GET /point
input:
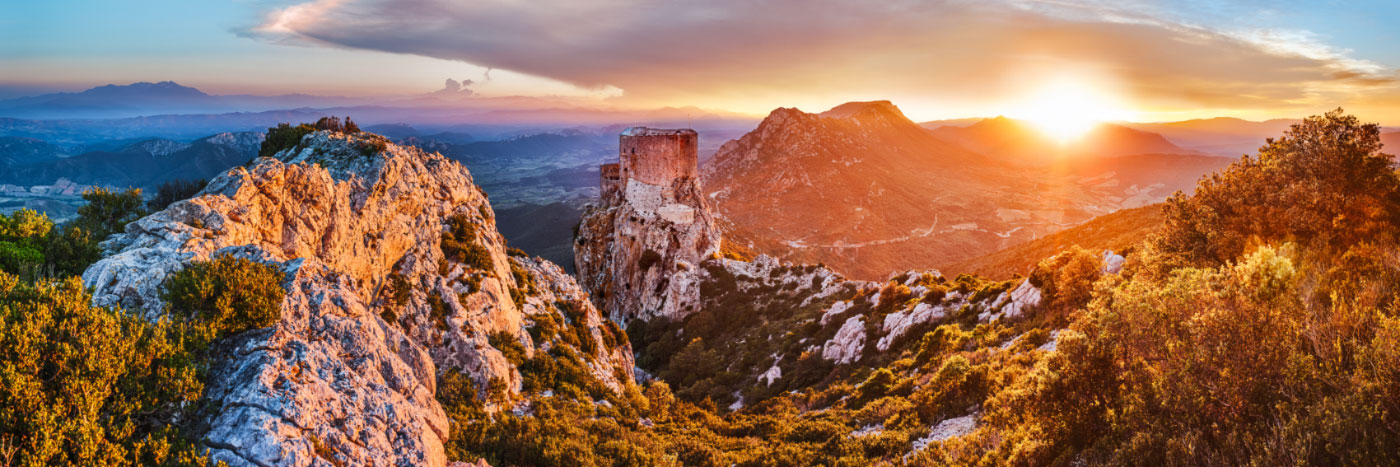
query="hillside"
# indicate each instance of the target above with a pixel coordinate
(862, 189)
(1118, 231)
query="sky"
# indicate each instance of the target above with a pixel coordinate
(1116, 60)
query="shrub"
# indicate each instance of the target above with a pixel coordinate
(22, 238)
(86, 385)
(508, 345)
(439, 310)
(107, 212)
(1324, 182)
(371, 146)
(231, 294)
(399, 289)
(460, 244)
(283, 137)
(70, 251)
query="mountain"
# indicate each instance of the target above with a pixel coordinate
(1391, 141)
(1221, 136)
(954, 122)
(144, 164)
(113, 100)
(20, 151)
(143, 99)
(383, 310)
(1020, 141)
(865, 191)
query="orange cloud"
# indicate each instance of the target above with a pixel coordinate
(762, 54)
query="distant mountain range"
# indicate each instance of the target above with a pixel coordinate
(144, 164)
(1010, 138)
(143, 99)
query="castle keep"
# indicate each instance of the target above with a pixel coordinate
(638, 248)
(654, 157)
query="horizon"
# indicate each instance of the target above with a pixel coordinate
(369, 101)
(1061, 64)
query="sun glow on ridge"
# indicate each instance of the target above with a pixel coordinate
(1066, 109)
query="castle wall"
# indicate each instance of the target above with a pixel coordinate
(658, 157)
(609, 176)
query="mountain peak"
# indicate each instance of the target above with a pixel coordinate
(857, 110)
(145, 87)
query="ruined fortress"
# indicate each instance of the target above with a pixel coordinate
(652, 156)
(638, 249)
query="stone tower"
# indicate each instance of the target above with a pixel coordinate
(638, 249)
(658, 157)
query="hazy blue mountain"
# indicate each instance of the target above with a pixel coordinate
(145, 164)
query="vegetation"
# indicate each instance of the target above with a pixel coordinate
(85, 385)
(174, 190)
(230, 294)
(32, 247)
(285, 136)
(461, 244)
(108, 212)
(1118, 231)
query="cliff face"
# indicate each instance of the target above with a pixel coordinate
(638, 248)
(350, 372)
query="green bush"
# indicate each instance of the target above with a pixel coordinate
(460, 244)
(508, 345)
(107, 212)
(84, 385)
(231, 294)
(282, 137)
(399, 289)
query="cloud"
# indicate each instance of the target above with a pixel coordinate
(454, 88)
(696, 51)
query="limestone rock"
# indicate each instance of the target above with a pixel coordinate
(847, 344)
(350, 371)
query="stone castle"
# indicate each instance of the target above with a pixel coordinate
(638, 248)
(652, 156)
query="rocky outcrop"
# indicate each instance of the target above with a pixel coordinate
(848, 343)
(374, 312)
(639, 247)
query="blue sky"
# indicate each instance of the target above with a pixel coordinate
(1254, 59)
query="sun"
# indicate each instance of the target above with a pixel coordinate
(1067, 109)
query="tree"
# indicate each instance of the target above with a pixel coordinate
(174, 190)
(107, 212)
(283, 137)
(1323, 182)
